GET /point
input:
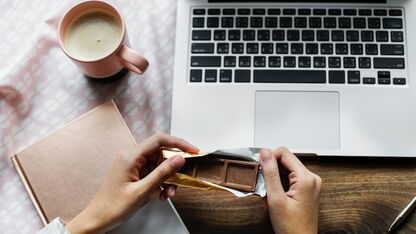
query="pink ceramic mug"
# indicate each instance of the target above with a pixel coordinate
(116, 58)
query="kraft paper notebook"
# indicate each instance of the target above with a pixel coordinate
(62, 172)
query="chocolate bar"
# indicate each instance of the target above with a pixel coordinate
(241, 175)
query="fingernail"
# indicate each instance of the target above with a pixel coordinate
(176, 162)
(265, 156)
(172, 191)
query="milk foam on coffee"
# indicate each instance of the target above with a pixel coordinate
(93, 35)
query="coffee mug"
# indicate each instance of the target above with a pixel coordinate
(93, 35)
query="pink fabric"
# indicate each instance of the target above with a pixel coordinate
(41, 89)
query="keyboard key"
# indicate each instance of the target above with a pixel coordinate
(395, 12)
(237, 48)
(304, 62)
(334, 62)
(364, 62)
(354, 77)
(350, 12)
(392, 23)
(271, 22)
(289, 11)
(312, 48)
(267, 48)
(256, 22)
(334, 12)
(396, 36)
(344, 22)
(244, 11)
(296, 48)
(205, 61)
(289, 61)
(289, 76)
(383, 74)
(241, 22)
(244, 61)
(286, 22)
(384, 81)
(330, 22)
(357, 49)
(225, 75)
(230, 61)
(213, 22)
(389, 63)
(223, 48)
(319, 11)
(199, 11)
(301, 22)
(353, 36)
(227, 22)
(259, 61)
(391, 49)
(274, 61)
(263, 35)
(365, 12)
(219, 35)
(341, 48)
(228, 11)
(371, 49)
(337, 35)
(359, 22)
(210, 75)
(242, 76)
(319, 62)
(278, 35)
(249, 35)
(252, 48)
(201, 35)
(380, 12)
(337, 77)
(234, 35)
(322, 35)
(399, 81)
(308, 35)
(304, 12)
(259, 11)
(382, 36)
(327, 48)
(273, 11)
(195, 76)
(214, 11)
(198, 22)
(369, 80)
(315, 22)
(349, 62)
(202, 48)
(282, 48)
(367, 36)
(293, 35)
(374, 23)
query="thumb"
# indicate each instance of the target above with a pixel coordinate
(270, 169)
(161, 173)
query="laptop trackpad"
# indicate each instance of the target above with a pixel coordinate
(297, 120)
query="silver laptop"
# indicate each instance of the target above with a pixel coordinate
(332, 78)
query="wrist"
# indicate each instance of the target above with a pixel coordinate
(84, 223)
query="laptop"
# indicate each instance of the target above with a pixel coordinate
(320, 77)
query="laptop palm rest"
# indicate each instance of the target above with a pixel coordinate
(297, 120)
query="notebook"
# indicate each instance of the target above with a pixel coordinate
(62, 172)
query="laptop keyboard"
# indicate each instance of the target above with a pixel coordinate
(298, 45)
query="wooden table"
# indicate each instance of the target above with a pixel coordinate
(359, 195)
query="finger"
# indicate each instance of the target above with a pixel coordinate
(271, 175)
(152, 145)
(165, 170)
(289, 160)
(171, 191)
(163, 196)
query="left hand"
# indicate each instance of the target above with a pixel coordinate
(129, 185)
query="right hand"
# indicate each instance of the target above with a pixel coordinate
(297, 210)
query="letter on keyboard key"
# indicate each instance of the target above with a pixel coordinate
(289, 76)
(391, 49)
(391, 63)
(202, 48)
(392, 23)
(205, 61)
(201, 35)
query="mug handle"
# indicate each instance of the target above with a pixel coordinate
(132, 60)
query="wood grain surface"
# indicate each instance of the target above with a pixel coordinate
(359, 195)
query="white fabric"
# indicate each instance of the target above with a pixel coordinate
(57, 226)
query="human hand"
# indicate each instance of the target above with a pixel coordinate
(134, 179)
(296, 210)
